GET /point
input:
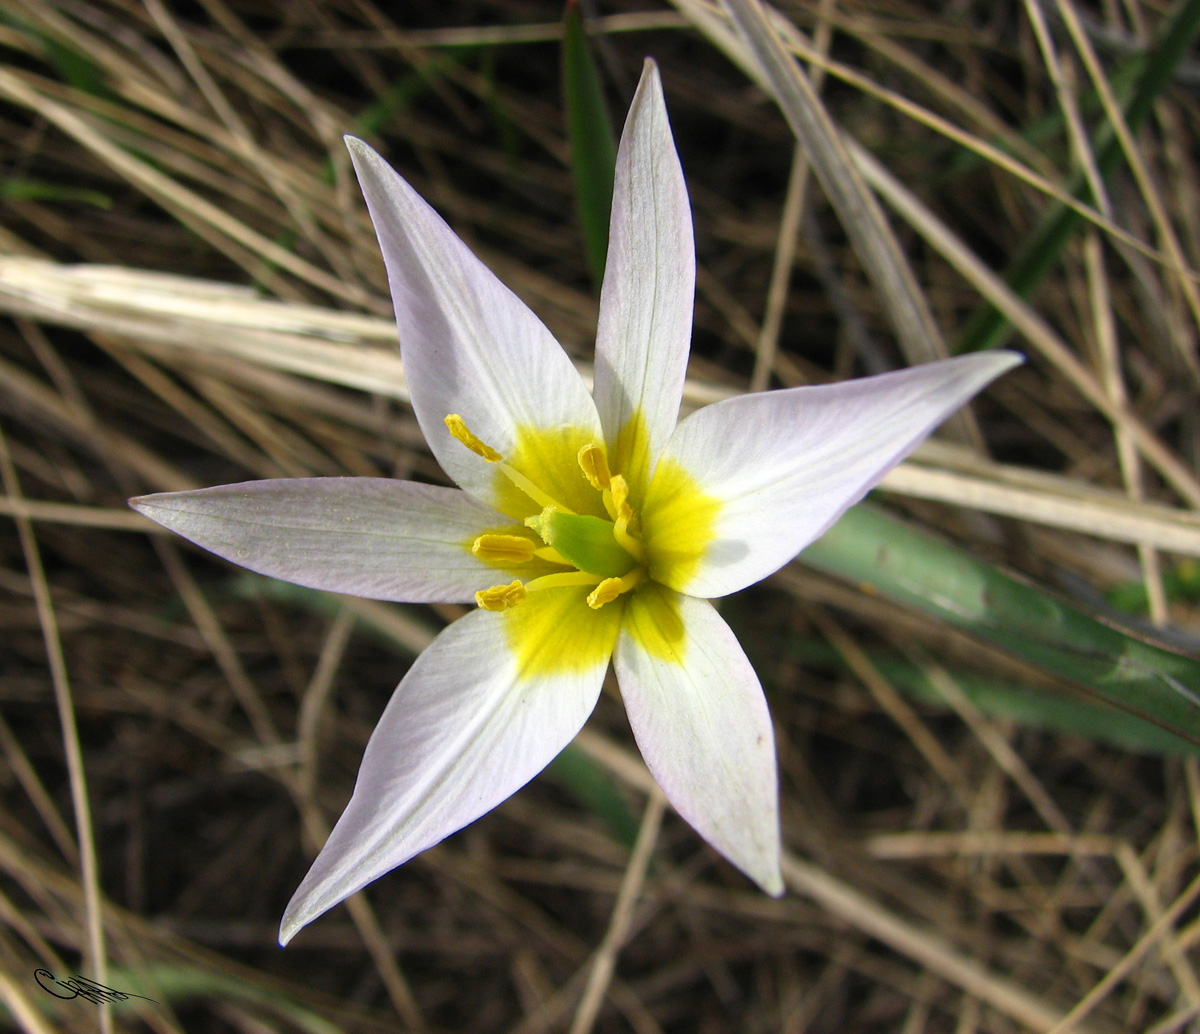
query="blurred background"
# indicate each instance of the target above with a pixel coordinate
(984, 684)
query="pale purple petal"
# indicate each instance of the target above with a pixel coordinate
(469, 345)
(649, 282)
(373, 537)
(700, 720)
(463, 731)
(784, 465)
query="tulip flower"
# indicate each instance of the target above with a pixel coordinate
(587, 527)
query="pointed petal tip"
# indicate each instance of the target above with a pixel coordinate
(762, 869)
(773, 883)
(362, 155)
(651, 81)
(289, 926)
(977, 370)
(307, 904)
(148, 505)
(371, 168)
(1006, 359)
(994, 361)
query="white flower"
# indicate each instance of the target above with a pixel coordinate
(586, 527)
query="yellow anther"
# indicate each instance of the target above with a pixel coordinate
(500, 597)
(458, 428)
(620, 495)
(504, 549)
(595, 466)
(609, 589)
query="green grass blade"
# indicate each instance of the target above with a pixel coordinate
(1056, 712)
(1047, 132)
(869, 548)
(1052, 711)
(988, 328)
(16, 189)
(593, 142)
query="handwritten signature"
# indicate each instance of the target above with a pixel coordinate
(81, 987)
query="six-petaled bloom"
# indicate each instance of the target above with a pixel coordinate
(586, 528)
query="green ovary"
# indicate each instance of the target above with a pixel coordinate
(582, 540)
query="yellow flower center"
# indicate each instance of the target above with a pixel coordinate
(607, 555)
(580, 532)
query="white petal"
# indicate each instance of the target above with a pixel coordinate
(784, 465)
(649, 282)
(373, 537)
(461, 733)
(469, 345)
(700, 719)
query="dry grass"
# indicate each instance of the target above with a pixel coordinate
(949, 871)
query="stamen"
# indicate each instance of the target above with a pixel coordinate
(458, 428)
(552, 555)
(624, 514)
(566, 578)
(504, 549)
(609, 589)
(620, 494)
(530, 489)
(628, 543)
(595, 466)
(500, 597)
